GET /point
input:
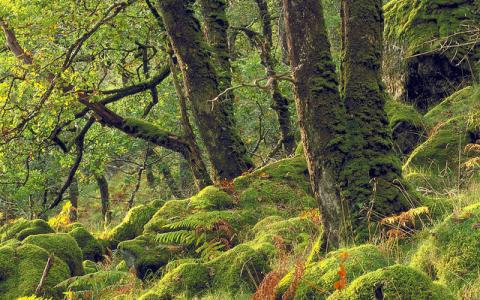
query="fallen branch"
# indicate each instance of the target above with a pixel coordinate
(43, 279)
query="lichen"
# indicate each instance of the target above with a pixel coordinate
(91, 248)
(393, 282)
(319, 277)
(452, 253)
(63, 246)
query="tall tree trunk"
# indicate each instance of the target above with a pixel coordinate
(186, 179)
(105, 198)
(214, 119)
(372, 170)
(73, 193)
(280, 103)
(319, 107)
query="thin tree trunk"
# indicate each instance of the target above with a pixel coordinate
(372, 170)
(319, 107)
(73, 191)
(186, 179)
(170, 181)
(214, 119)
(280, 102)
(149, 154)
(105, 198)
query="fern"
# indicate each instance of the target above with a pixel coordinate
(180, 237)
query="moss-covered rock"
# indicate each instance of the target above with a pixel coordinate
(172, 210)
(407, 125)
(63, 246)
(133, 223)
(450, 130)
(91, 248)
(22, 228)
(89, 266)
(394, 282)
(145, 255)
(94, 285)
(21, 268)
(213, 198)
(319, 277)
(187, 280)
(415, 69)
(452, 253)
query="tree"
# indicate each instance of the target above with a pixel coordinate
(319, 108)
(372, 169)
(214, 119)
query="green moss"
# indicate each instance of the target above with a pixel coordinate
(170, 211)
(241, 268)
(63, 246)
(145, 255)
(95, 283)
(394, 282)
(22, 228)
(91, 248)
(21, 269)
(122, 266)
(319, 277)
(211, 197)
(145, 128)
(401, 112)
(452, 253)
(293, 234)
(133, 223)
(422, 24)
(89, 266)
(189, 279)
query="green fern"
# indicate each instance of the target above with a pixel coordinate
(180, 237)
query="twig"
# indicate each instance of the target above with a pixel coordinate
(43, 279)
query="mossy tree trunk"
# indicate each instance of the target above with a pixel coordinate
(102, 184)
(73, 193)
(280, 102)
(149, 155)
(319, 108)
(214, 119)
(372, 172)
(170, 180)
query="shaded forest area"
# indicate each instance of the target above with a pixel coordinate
(240, 149)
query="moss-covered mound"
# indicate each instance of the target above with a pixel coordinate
(394, 282)
(415, 68)
(133, 223)
(318, 280)
(89, 266)
(213, 198)
(407, 125)
(450, 129)
(239, 269)
(91, 247)
(452, 253)
(145, 255)
(97, 285)
(63, 246)
(21, 267)
(22, 228)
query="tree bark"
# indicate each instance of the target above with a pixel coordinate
(214, 119)
(372, 170)
(73, 193)
(320, 110)
(105, 198)
(170, 181)
(280, 102)
(149, 154)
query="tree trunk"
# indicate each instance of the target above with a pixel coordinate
(105, 198)
(149, 155)
(186, 179)
(73, 191)
(280, 103)
(320, 110)
(214, 118)
(372, 171)
(170, 181)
